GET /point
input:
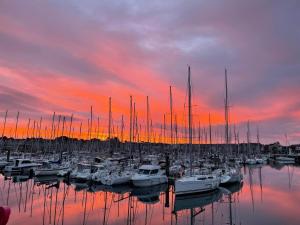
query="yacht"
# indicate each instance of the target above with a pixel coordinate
(83, 172)
(51, 169)
(21, 165)
(3, 163)
(117, 178)
(149, 175)
(196, 184)
(100, 173)
(229, 175)
(250, 161)
(190, 184)
(285, 160)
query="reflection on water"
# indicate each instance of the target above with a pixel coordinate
(269, 195)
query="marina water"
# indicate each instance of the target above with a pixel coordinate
(268, 195)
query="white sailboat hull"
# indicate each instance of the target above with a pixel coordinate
(194, 184)
(50, 171)
(285, 160)
(115, 180)
(149, 181)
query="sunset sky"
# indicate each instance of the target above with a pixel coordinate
(65, 56)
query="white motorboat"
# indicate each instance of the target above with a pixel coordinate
(21, 165)
(235, 176)
(117, 178)
(223, 174)
(51, 169)
(83, 172)
(285, 160)
(100, 173)
(250, 161)
(229, 175)
(149, 175)
(3, 163)
(196, 184)
(176, 170)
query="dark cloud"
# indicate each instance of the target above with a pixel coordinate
(12, 99)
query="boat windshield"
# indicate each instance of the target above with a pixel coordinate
(154, 172)
(141, 171)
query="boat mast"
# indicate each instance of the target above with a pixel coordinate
(130, 127)
(148, 131)
(199, 138)
(109, 125)
(210, 139)
(90, 128)
(4, 123)
(133, 123)
(190, 117)
(258, 141)
(226, 114)
(164, 139)
(62, 138)
(248, 136)
(16, 128)
(171, 119)
(122, 131)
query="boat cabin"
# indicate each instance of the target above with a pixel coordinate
(149, 170)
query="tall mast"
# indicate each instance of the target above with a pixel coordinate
(62, 138)
(258, 140)
(248, 136)
(122, 128)
(90, 129)
(190, 117)
(109, 123)
(70, 128)
(235, 135)
(133, 123)
(171, 112)
(148, 132)
(210, 139)
(28, 126)
(52, 134)
(226, 113)
(91, 123)
(199, 137)
(4, 124)
(40, 127)
(98, 128)
(130, 125)
(164, 129)
(16, 128)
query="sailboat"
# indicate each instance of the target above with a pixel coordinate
(149, 175)
(118, 175)
(190, 184)
(231, 174)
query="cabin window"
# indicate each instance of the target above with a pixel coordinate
(26, 162)
(154, 171)
(146, 172)
(201, 178)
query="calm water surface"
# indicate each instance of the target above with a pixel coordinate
(267, 196)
